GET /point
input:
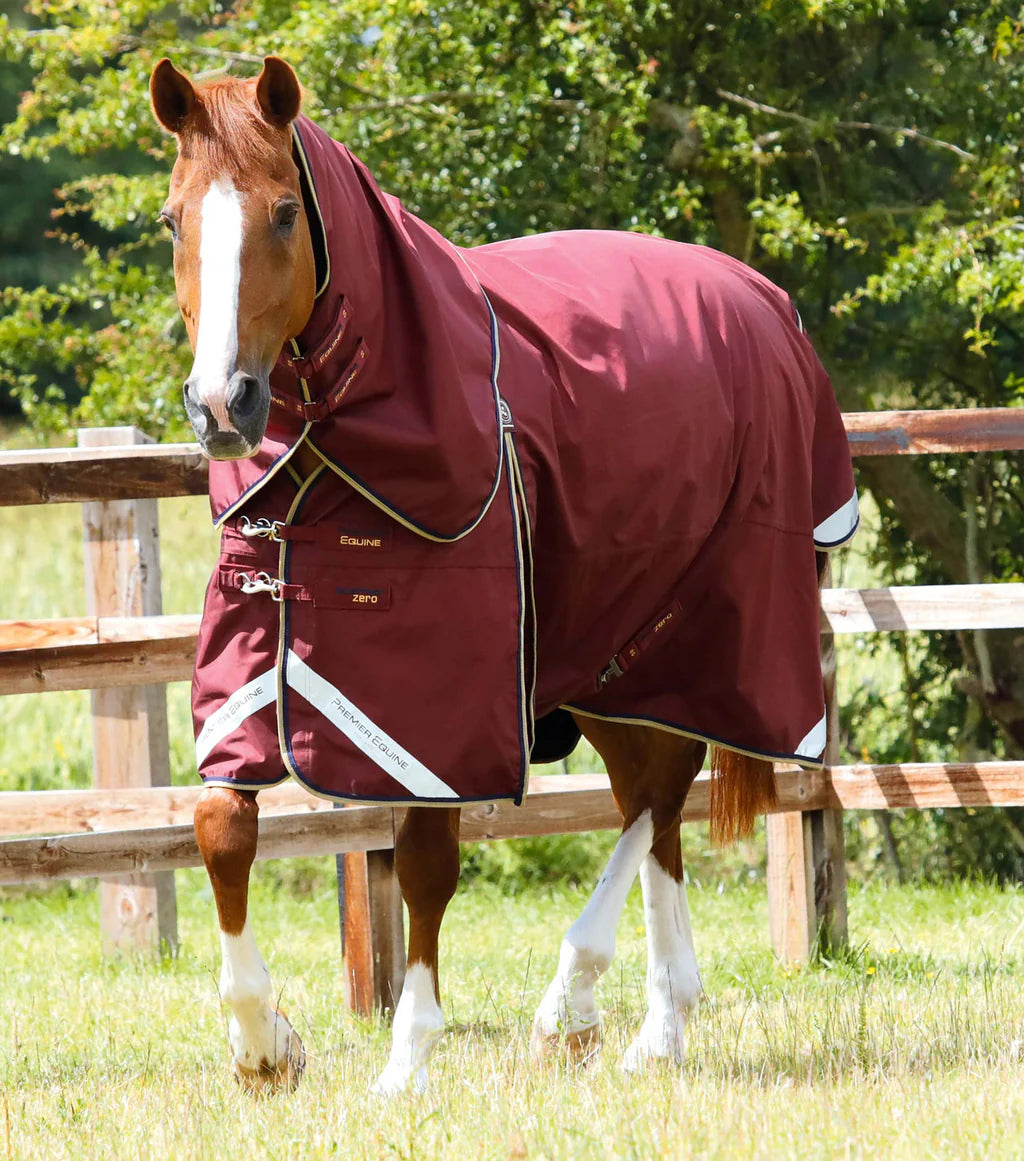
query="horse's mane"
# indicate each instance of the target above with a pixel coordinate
(227, 131)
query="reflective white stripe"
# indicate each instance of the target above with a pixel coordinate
(839, 526)
(813, 744)
(254, 696)
(363, 733)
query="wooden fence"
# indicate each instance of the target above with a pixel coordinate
(133, 829)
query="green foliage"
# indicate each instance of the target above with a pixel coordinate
(866, 156)
(869, 160)
(972, 844)
(516, 865)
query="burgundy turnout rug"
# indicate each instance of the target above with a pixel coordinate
(584, 470)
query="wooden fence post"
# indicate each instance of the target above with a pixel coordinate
(807, 853)
(138, 912)
(372, 930)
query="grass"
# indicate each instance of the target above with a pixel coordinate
(908, 1048)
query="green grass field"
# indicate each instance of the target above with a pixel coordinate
(910, 1048)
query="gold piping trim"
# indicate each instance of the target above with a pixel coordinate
(282, 741)
(308, 174)
(265, 479)
(514, 458)
(397, 516)
(233, 784)
(806, 763)
(526, 728)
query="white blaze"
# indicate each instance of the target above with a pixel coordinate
(220, 266)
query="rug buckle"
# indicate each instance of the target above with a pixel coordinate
(612, 669)
(507, 422)
(262, 582)
(270, 529)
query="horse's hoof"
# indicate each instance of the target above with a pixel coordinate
(640, 1055)
(658, 1041)
(576, 1047)
(283, 1076)
(392, 1082)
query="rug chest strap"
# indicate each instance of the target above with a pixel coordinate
(314, 410)
(306, 366)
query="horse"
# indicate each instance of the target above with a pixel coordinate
(619, 454)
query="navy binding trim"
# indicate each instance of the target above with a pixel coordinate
(282, 459)
(828, 545)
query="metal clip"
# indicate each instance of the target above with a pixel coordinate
(262, 582)
(612, 669)
(507, 422)
(263, 527)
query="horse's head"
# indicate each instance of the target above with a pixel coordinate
(243, 259)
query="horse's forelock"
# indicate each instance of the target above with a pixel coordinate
(227, 132)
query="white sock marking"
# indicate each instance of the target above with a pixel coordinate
(256, 1032)
(418, 1023)
(587, 949)
(673, 981)
(220, 271)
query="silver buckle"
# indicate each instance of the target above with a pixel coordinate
(263, 528)
(262, 582)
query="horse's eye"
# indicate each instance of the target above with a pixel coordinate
(284, 218)
(165, 219)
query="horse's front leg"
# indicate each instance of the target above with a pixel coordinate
(266, 1053)
(427, 864)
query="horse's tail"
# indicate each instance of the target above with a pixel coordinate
(741, 788)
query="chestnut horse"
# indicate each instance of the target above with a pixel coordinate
(245, 273)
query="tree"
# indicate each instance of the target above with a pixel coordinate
(865, 156)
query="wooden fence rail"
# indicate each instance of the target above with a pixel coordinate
(556, 804)
(77, 475)
(139, 831)
(100, 652)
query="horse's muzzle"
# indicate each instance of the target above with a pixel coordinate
(231, 427)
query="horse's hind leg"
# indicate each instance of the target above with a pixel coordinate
(266, 1053)
(650, 772)
(427, 865)
(673, 980)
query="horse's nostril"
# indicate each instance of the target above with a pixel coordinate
(243, 398)
(198, 413)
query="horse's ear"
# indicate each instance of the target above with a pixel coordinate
(172, 96)
(278, 92)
